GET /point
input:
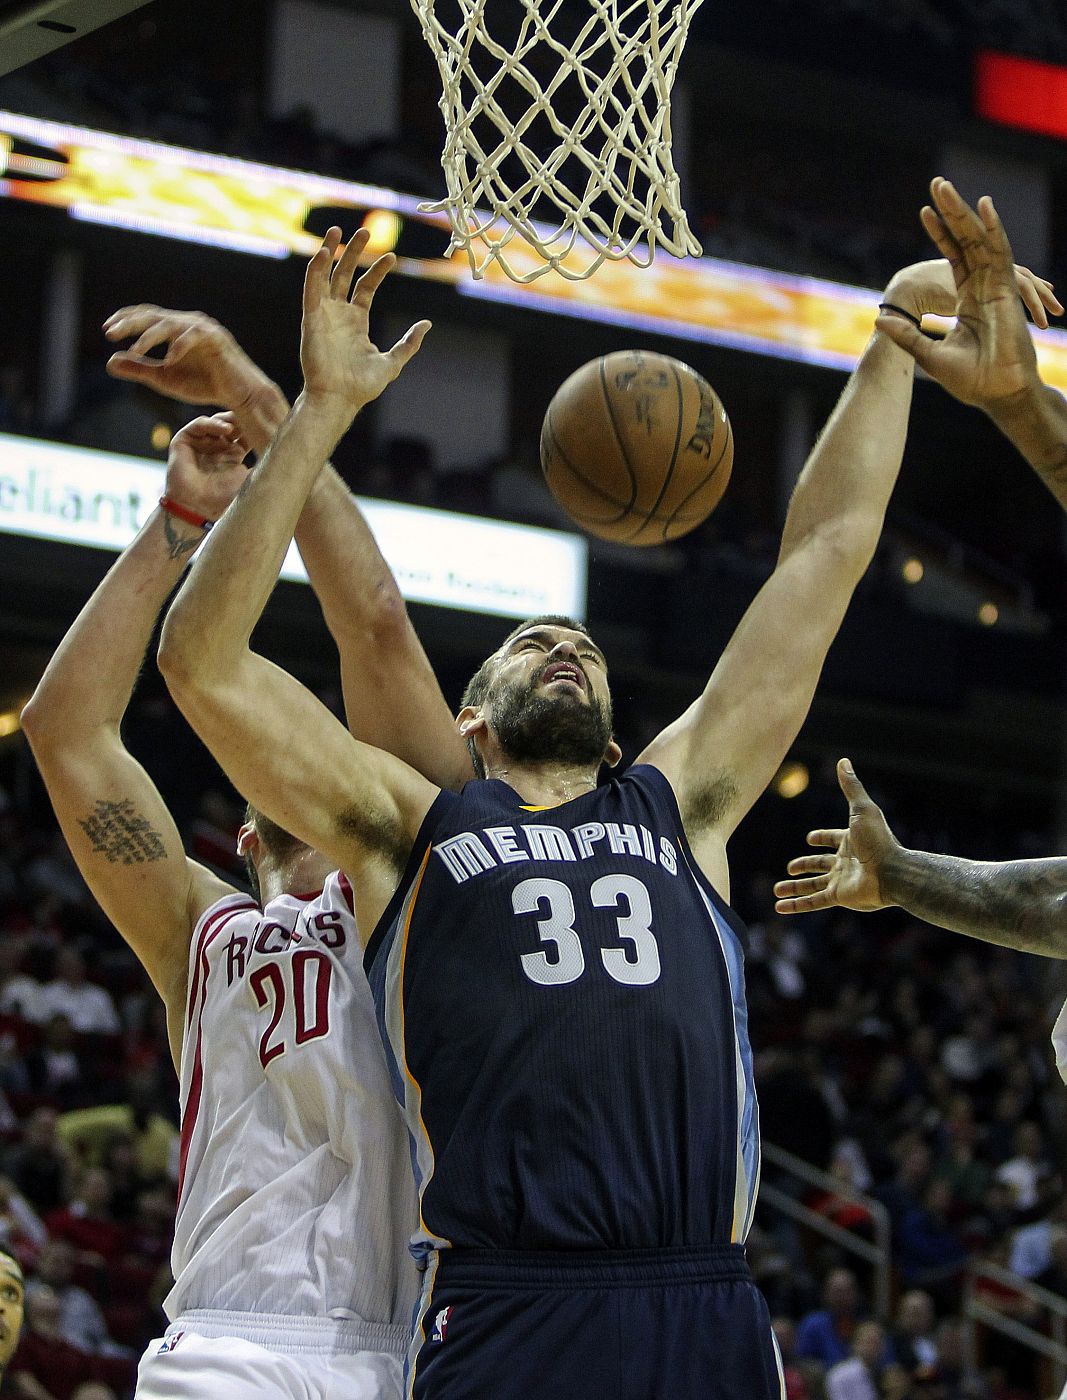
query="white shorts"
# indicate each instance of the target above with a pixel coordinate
(245, 1356)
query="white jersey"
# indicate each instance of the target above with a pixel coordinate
(1059, 1045)
(295, 1193)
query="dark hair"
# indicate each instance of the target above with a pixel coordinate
(477, 688)
(276, 841)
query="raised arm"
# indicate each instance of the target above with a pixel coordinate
(721, 754)
(114, 819)
(988, 359)
(392, 697)
(278, 744)
(1018, 904)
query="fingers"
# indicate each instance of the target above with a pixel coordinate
(132, 320)
(832, 836)
(1038, 296)
(910, 339)
(998, 237)
(811, 865)
(938, 232)
(348, 264)
(372, 279)
(850, 784)
(317, 277)
(221, 426)
(407, 347)
(122, 366)
(795, 896)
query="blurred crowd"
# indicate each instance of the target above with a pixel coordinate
(914, 1067)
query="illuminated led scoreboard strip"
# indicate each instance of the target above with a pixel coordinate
(261, 209)
(79, 496)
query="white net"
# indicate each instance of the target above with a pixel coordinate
(599, 161)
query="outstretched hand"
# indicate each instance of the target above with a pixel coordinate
(851, 875)
(988, 356)
(339, 360)
(205, 465)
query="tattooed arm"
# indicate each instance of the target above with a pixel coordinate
(1036, 422)
(115, 821)
(1018, 904)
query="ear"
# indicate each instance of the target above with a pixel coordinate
(612, 754)
(470, 721)
(247, 839)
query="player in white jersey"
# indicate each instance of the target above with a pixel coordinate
(291, 1274)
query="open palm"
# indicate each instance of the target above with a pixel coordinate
(337, 355)
(850, 876)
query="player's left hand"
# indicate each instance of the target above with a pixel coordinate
(340, 361)
(930, 289)
(205, 465)
(851, 877)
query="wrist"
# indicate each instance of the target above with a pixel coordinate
(1024, 404)
(333, 407)
(895, 872)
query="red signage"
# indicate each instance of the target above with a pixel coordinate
(1023, 93)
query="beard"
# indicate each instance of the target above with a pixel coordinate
(533, 727)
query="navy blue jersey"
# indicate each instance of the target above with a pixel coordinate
(560, 993)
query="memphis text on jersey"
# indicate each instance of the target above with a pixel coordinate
(472, 853)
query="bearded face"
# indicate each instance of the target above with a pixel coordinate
(559, 723)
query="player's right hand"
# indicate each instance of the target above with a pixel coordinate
(342, 365)
(851, 876)
(988, 357)
(203, 363)
(205, 465)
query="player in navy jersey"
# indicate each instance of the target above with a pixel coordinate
(556, 972)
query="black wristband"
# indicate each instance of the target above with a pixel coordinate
(916, 321)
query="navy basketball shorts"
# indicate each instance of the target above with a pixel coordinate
(672, 1324)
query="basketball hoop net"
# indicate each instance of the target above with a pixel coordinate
(610, 174)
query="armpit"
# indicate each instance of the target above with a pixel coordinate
(375, 832)
(707, 802)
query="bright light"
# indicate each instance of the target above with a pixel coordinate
(384, 228)
(9, 723)
(53, 492)
(793, 779)
(988, 614)
(161, 436)
(913, 570)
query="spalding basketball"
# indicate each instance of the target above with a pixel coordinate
(637, 447)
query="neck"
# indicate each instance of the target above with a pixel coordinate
(299, 874)
(542, 784)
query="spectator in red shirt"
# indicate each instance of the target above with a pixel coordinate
(87, 1222)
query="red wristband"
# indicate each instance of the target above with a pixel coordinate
(182, 513)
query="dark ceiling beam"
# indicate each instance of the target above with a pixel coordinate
(29, 29)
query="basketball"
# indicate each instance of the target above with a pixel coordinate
(637, 447)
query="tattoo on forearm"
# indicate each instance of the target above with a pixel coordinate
(1020, 904)
(121, 835)
(178, 545)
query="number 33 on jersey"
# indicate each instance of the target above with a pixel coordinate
(560, 993)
